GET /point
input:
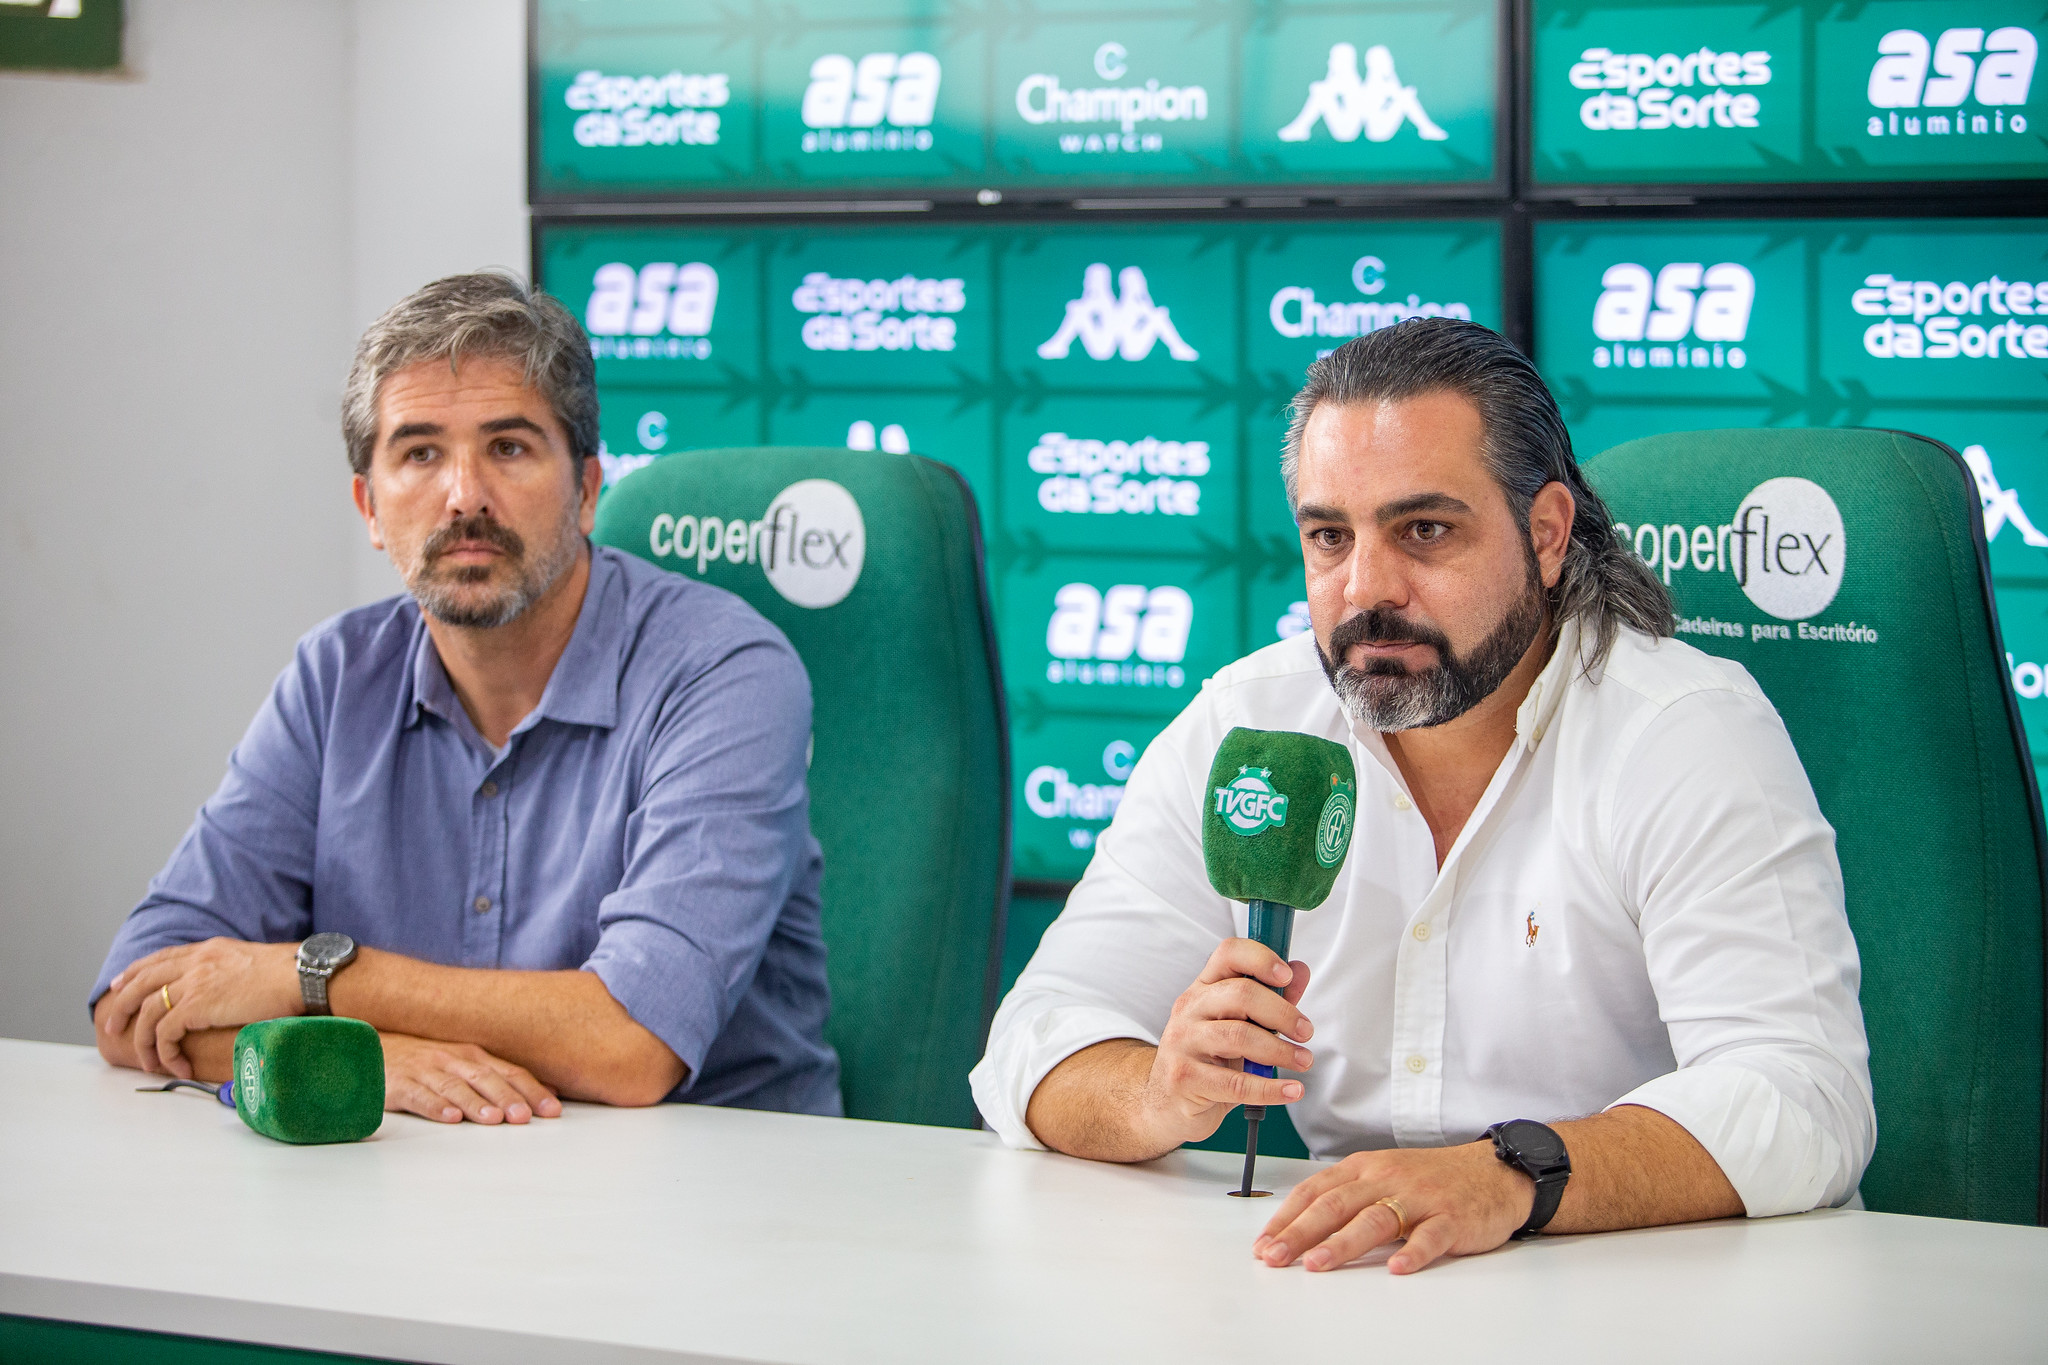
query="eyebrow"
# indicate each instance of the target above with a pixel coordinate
(1421, 502)
(493, 427)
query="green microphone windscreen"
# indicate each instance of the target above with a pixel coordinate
(1276, 816)
(311, 1079)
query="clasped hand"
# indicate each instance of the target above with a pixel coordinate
(224, 983)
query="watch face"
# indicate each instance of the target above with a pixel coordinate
(1536, 1144)
(327, 950)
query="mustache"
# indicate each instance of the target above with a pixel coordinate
(471, 529)
(1382, 626)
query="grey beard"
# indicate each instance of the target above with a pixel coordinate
(1387, 697)
(441, 596)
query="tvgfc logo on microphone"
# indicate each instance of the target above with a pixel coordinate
(249, 1084)
(1249, 804)
(1333, 829)
(810, 544)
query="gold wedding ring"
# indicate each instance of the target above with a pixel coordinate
(1399, 1213)
(166, 993)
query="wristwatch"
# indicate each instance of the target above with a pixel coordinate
(320, 957)
(1538, 1152)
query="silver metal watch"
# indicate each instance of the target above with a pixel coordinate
(320, 957)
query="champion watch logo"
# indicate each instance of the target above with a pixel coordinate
(1249, 803)
(1333, 829)
(1108, 324)
(1346, 104)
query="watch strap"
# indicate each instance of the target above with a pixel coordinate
(1549, 1193)
(1548, 1178)
(313, 988)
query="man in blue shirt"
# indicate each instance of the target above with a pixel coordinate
(545, 817)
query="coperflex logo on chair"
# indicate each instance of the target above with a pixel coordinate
(810, 543)
(1785, 545)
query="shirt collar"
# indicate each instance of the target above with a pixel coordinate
(1539, 708)
(583, 689)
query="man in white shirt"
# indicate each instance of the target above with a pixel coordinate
(1588, 875)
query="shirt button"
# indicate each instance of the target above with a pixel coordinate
(1401, 801)
(1417, 1064)
(1422, 933)
(490, 789)
(482, 904)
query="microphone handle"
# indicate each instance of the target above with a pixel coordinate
(1272, 924)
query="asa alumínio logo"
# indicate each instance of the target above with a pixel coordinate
(1787, 547)
(810, 544)
(1994, 71)
(1688, 302)
(1093, 634)
(664, 307)
(1125, 322)
(1333, 827)
(1348, 104)
(882, 103)
(1249, 804)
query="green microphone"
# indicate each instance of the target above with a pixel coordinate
(1276, 824)
(313, 1078)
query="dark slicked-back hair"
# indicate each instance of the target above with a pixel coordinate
(1603, 584)
(490, 313)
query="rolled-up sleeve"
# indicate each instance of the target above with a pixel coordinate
(1136, 930)
(245, 868)
(1716, 835)
(719, 834)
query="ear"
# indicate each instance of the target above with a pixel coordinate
(593, 480)
(366, 507)
(1550, 529)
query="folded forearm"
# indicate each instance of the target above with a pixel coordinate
(1633, 1168)
(1093, 1104)
(563, 1026)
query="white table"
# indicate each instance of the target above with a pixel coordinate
(682, 1233)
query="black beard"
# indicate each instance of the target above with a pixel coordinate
(1384, 695)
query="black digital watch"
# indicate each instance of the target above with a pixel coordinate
(1538, 1152)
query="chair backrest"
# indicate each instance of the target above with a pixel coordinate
(1846, 570)
(872, 565)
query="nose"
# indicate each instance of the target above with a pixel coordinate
(468, 490)
(1376, 577)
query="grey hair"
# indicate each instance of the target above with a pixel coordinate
(492, 313)
(1526, 446)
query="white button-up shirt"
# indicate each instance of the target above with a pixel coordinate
(1644, 908)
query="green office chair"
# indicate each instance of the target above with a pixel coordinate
(1846, 570)
(872, 565)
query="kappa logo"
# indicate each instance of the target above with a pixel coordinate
(1996, 68)
(666, 308)
(882, 88)
(1126, 324)
(1688, 302)
(2001, 505)
(810, 544)
(893, 438)
(1346, 104)
(1333, 828)
(1249, 804)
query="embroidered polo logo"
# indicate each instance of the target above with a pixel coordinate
(1249, 803)
(1534, 929)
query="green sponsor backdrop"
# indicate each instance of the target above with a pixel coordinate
(650, 97)
(1787, 90)
(1114, 397)
(1924, 326)
(61, 35)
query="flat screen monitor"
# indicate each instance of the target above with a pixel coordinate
(1114, 395)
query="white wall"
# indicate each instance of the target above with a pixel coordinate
(187, 253)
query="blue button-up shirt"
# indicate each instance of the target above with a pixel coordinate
(648, 822)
